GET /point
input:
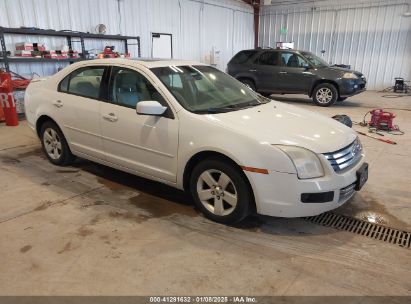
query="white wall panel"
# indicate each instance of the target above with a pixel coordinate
(372, 37)
(196, 25)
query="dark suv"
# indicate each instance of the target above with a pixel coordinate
(269, 71)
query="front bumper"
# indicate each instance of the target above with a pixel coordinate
(280, 194)
(350, 87)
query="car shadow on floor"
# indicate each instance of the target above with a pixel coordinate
(161, 200)
(310, 102)
(107, 176)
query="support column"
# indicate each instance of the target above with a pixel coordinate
(256, 6)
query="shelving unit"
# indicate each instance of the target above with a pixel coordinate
(70, 37)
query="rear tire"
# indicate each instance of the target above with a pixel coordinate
(55, 145)
(325, 94)
(248, 83)
(221, 191)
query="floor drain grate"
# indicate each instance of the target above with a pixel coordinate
(386, 234)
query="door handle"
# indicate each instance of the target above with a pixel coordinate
(58, 103)
(110, 117)
(282, 72)
(252, 70)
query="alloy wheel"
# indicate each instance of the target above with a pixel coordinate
(52, 143)
(324, 95)
(217, 192)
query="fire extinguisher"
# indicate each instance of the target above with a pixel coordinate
(7, 99)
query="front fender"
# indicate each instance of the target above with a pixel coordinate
(199, 135)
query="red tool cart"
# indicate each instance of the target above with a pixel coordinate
(8, 85)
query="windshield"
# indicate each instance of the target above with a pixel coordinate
(203, 89)
(315, 60)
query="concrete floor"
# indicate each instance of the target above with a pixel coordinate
(91, 230)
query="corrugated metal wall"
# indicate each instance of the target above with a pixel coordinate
(372, 37)
(196, 25)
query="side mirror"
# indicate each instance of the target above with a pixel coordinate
(306, 66)
(150, 107)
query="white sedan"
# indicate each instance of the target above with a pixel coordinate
(193, 127)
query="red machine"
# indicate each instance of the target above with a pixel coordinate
(382, 120)
(2, 118)
(7, 100)
(110, 53)
(8, 111)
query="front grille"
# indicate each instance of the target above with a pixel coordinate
(346, 157)
(347, 192)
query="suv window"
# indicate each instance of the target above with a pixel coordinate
(242, 56)
(128, 87)
(292, 60)
(268, 58)
(84, 82)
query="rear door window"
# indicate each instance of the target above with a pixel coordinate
(268, 58)
(84, 82)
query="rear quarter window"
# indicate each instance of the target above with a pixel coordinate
(243, 56)
(63, 86)
(85, 82)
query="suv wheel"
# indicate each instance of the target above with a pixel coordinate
(248, 83)
(325, 94)
(54, 144)
(220, 191)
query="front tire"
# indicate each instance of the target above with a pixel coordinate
(54, 144)
(325, 94)
(220, 191)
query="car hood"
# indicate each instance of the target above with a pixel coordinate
(342, 70)
(279, 123)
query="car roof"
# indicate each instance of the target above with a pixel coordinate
(273, 50)
(146, 62)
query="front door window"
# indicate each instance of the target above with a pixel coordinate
(129, 87)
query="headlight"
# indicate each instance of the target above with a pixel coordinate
(357, 146)
(306, 162)
(350, 76)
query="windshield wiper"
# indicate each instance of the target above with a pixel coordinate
(233, 107)
(253, 103)
(212, 111)
(219, 110)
